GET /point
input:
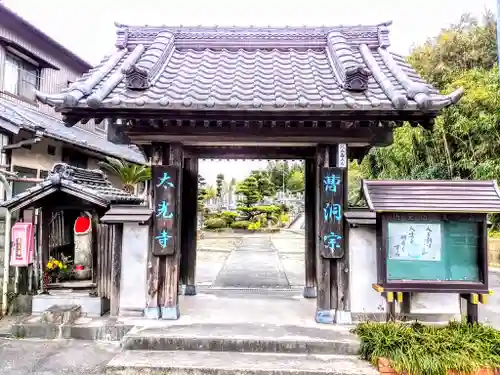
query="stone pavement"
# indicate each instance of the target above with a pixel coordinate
(54, 357)
(260, 260)
(490, 313)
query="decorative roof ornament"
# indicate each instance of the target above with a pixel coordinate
(136, 78)
(356, 78)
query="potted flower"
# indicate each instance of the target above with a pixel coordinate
(56, 270)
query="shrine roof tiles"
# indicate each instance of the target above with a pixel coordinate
(446, 196)
(89, 185)
(259, 69)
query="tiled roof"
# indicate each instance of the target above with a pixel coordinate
(89, 185)
(432, 196)
(14, 117)
(202, 68)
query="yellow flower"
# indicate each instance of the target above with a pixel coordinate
(49, 265)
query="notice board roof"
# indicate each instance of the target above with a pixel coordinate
(453, 196)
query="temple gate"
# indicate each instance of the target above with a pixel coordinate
(321, 94)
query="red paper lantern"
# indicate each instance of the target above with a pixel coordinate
(82, 224)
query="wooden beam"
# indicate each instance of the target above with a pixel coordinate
(310, 229)
(249, 152)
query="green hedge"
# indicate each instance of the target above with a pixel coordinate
(242, 224)
(215, 223)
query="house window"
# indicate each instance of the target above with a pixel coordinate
(74, 158)
(102, 126)
(51, 150)
(20, 76)
(22, 172)
(43, 174)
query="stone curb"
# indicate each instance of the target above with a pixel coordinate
(49, 331)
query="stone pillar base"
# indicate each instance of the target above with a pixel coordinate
(170, 313)
(152, 312)
(309, 292)
(190, 290)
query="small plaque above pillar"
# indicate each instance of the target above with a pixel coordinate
(331, 223)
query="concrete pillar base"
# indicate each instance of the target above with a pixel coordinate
(310, 292)
(152, 312)
(170, 313)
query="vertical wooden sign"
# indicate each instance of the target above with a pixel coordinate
(165, 220)
(331, 224)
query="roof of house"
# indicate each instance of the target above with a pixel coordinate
(451, 196)
(15, 117)
(260, 69)
(90, 185)
(10, 19)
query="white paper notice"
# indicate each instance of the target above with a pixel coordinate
(414, 241)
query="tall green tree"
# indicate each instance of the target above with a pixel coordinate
(265, 186)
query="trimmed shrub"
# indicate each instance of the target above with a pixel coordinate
(254, 226)
(215, 223)
(242, 224)
(229, 216)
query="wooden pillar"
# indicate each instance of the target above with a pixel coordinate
(189, 224)
(156, 153)
(310, 229)
(170, 264)
(324, 273)
(116, 267)
(332, 274)
(343, 304)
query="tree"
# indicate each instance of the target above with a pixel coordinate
(249, 196)
(202, 192)
(129, 174)
(465, 141)
(265, 186)
(296, 181)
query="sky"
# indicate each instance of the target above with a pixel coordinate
(87, 27)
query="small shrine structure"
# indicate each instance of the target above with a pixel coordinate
(321, 94)
(70, 203)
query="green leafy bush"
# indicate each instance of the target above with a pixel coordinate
(229, 216)
(215, 223)
(429, 350)
(254, 226)
(242, 224)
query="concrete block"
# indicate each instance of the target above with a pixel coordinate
(90, 306)
(61, 314)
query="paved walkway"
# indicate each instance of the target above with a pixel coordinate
(254, 263)
(55, 357)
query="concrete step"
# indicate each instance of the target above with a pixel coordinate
(138, 362)
(255, 338)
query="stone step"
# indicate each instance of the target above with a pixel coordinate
(243, 338)
(138, 362)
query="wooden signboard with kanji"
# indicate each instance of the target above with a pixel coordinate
(331, 216)
(166, 218)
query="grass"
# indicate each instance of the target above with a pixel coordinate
(418, 349)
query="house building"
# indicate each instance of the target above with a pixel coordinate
(32, 135)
